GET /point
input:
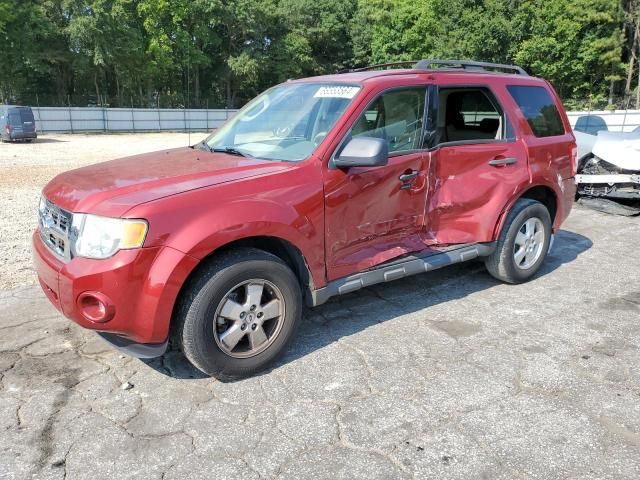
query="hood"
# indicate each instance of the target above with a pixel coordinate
(111, 188)
(619, 149)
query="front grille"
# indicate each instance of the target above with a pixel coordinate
(55, 228)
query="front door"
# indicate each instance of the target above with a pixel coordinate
(477, 164)
(375, 214)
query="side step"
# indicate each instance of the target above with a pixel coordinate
(395, 269)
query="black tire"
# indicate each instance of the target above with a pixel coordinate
(501, 263)
(197, 307)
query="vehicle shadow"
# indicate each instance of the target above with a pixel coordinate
(36, 140)
(341, 316)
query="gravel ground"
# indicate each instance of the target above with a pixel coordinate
(27, 167)
(446, 375)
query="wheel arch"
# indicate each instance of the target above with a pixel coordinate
(541, 193)
(281, 248)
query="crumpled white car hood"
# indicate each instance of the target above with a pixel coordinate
(618, 148)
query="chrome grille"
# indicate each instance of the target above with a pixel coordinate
(55, 227)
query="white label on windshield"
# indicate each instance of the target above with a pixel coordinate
(337, 91)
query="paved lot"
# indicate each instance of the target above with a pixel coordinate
(26, 167)
(444, 375)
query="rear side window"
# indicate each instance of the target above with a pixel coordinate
(14, 118)
(539, 109)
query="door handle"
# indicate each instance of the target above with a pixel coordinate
(408, 176)
(501, 162)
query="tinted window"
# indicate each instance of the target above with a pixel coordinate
(14, 118)
(27, 115)
(469, 116)
(539, 109)
(395, 116)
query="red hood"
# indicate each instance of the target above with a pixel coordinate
(111, 188)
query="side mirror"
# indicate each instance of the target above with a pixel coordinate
(363, 152)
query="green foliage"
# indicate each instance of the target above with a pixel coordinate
(222, 52)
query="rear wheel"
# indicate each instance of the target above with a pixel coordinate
(523, 243)
(238, 313)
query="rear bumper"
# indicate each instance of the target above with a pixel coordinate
(22, 135)
(568, 191)
(140, 285)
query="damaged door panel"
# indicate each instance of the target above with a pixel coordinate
(373, 214)
(477, 163)
(469, 184)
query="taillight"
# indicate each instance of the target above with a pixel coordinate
(8, 128)
(574, 161)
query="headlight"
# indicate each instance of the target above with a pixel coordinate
(102, 237)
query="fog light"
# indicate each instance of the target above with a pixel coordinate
(96, 307)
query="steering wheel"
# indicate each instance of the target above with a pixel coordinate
(282, 132)
(317, 139)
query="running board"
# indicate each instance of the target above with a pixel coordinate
(401, 268)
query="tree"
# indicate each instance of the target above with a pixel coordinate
(575, 44)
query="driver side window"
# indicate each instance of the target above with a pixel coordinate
(396, 117)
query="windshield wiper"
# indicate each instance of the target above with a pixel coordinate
(230, 151)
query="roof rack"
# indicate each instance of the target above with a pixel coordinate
(469, 65)
(381, 65)
(447, 64)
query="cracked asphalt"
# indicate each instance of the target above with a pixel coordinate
(447, 375)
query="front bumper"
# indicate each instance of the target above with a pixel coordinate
(613, 185)
(141, 285)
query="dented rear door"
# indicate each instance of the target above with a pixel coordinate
(471, 182)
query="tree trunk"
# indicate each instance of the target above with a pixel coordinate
(612, 86)
(118, 92)
(638, 92)
(196, 85)
(229, 101)
(95, 81)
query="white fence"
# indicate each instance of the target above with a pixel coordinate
(96, 119)
(613, 121)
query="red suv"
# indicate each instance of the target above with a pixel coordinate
(318, 187)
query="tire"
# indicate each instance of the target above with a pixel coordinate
(205, 335)
(503, 263)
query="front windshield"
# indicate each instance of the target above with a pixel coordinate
(286, 122)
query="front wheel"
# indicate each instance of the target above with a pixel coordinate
(523, 244)
(238, 313)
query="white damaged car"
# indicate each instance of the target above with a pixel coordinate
(609, 165)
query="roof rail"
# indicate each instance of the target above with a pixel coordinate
(469, 65)
(453, 64)
(379, 65)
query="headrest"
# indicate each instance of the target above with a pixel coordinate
(489, 125)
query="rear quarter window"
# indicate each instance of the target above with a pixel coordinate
(539, 109)
(14, 118)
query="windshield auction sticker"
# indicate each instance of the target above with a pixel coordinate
(337, 91)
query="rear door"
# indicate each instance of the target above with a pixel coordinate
(477, 164)
(28, 122)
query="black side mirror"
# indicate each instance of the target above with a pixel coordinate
(363, 152)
